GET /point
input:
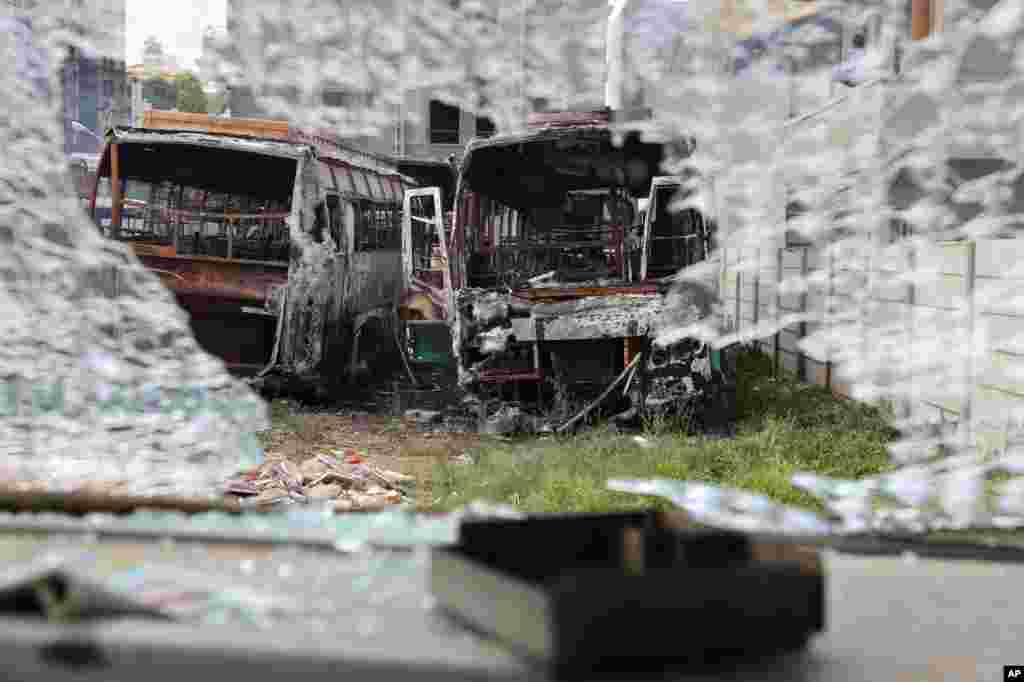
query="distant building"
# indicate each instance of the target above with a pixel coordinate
(426, 128)
(94, 88)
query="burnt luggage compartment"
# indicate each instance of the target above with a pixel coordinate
(551, 302)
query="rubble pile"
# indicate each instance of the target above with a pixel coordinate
(347, 484)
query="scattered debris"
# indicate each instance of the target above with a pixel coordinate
(508, 419)
(424, 416)
(327, 491)
(354, 485)
(314, 468)
(569, 424)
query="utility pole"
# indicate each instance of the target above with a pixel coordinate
(522, 61)
(920, 19)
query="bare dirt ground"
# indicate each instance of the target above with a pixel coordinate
(392, 443)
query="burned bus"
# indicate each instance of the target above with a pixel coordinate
(285, 253)
(550, 288)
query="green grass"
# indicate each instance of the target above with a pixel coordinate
(784, 427)
(282, 418)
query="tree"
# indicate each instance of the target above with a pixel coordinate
(190, 96)
(216, 103)
(160, 93)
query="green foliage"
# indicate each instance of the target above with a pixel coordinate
(784, 427)
(216, 103)
(190, 94)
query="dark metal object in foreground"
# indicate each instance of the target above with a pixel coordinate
(888, 618)
(630, 591)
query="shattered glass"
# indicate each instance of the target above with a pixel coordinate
(867, 142)
(103, 384)
(908, 115)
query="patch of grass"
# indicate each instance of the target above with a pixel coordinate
(393, 425)
(285, 419)
(784, 427)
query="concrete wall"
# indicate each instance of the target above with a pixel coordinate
(966, 270)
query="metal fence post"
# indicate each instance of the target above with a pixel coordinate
(801, 356)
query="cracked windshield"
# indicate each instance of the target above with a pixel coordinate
(307, 292)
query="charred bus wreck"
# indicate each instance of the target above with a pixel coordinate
(285, 254)
(553, 285)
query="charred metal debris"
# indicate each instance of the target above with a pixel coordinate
(543, 367)
(562, 286)
(535, 284)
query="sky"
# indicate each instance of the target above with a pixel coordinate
(178, 24)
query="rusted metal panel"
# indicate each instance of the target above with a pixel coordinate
(504, 376)
(568, 119)
(567, 293)
(245, 282)
(592, 318)
(115, 190)
(298, 316)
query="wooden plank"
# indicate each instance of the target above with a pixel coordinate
(87, 502)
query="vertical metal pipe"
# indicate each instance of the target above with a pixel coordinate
(777, 312)
(967, 400)
(115, 190)
(801, 356)
(522, 61)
